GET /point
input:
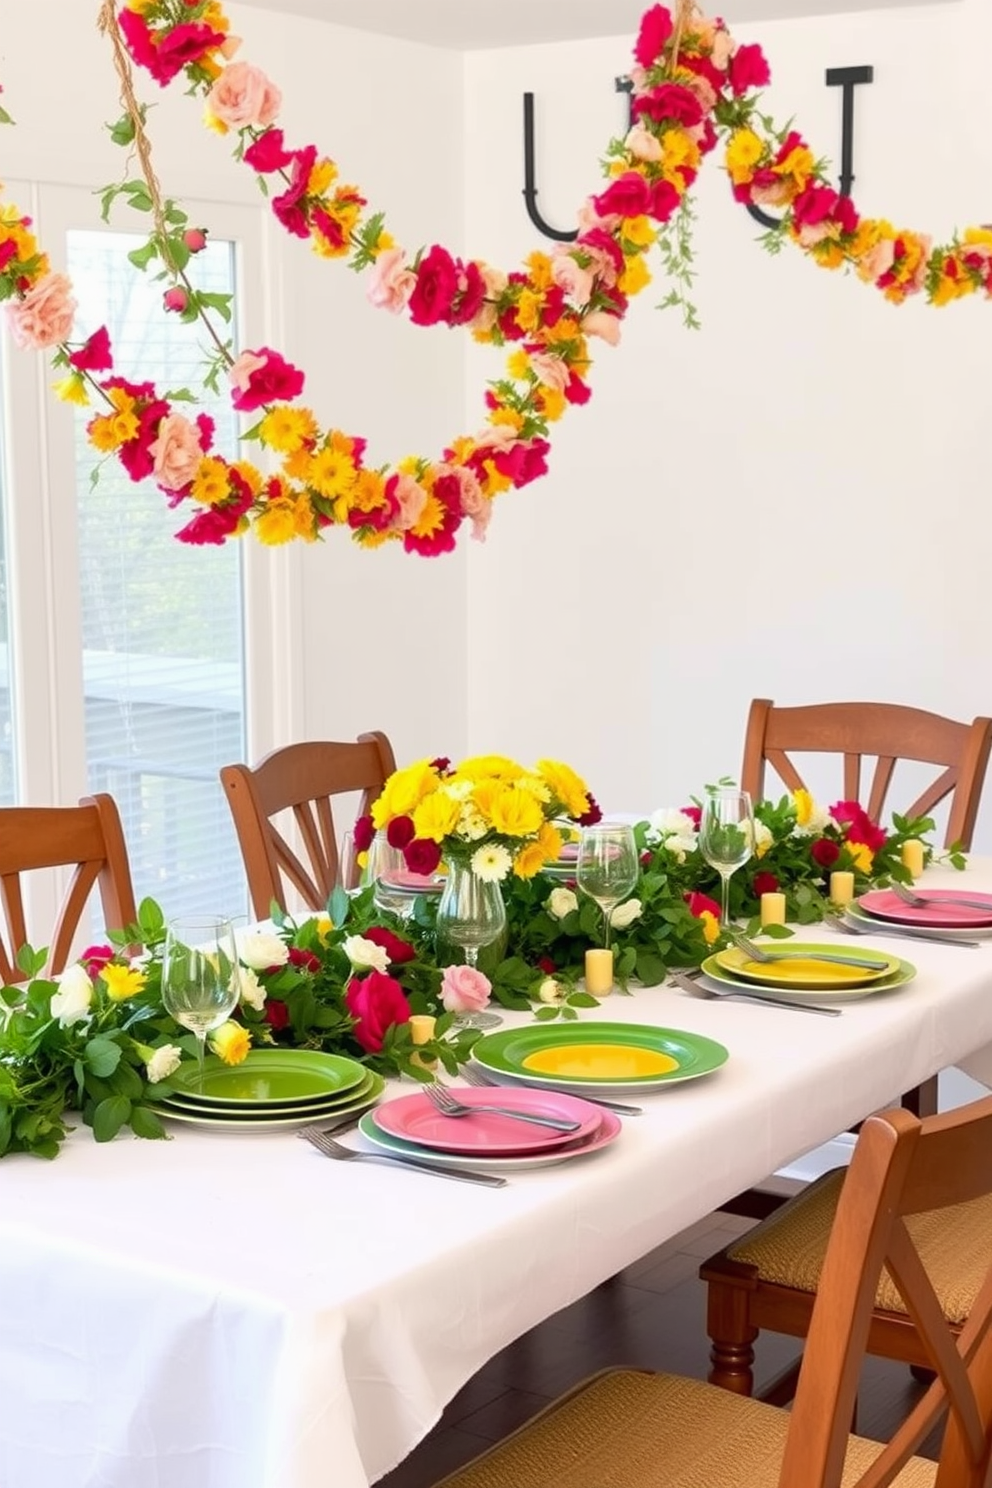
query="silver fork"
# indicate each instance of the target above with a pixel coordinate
(326, 1144)
(891, 932)
(698, 989)
(924, 901)
(473, 1076)
(758, 953)
(448, 1105)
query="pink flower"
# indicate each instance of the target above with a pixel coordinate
(642, 144)
(628, 195)
(176, 452)
(550, 370)
(244, 96)
(391, 283)
(378, 1003)
(94, 355)
(607, 327)
(176, 299)
(569, 275)
(268, 153)
(195, 239)
(412, 499)
(364, 833)
(434, 293)
(261, 377)
(44, 316)
(656, 29)
(748, 69)
(476, 505)
(464, 989)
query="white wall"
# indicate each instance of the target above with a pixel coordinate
(353, 635)
(791, 502)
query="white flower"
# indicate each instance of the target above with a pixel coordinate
(457, 790)
(252, 991)
(626, 914)
(364, 953)
(679, 847)
(471, 825)
(491, 863)
(550, 990)
(163, 1063)
(260, 950)
(669, 823)
(815, 824)
(561, 902)
(71, 1003)
(763, 839)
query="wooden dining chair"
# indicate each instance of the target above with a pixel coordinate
(87, 837)
(885, 732)
(629, 1429)
(300, 778)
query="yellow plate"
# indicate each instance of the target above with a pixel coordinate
(800, 968)
(601, 1062)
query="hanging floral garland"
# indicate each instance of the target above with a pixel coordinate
(692, 85)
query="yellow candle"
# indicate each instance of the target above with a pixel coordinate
(912, 856)
(772, 909)
(421, 1032)
(599, 972)
(841, 887)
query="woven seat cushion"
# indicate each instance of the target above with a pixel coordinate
(625, 1429)
(955, 1246)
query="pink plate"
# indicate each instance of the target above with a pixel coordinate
(483, 1162)
(414, 883)
(412, 1118)
(943, 914)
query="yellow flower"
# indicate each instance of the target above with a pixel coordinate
(276, 524)
(122, 982)
(565, 785)
(681, 153)
(978, 237)
(489, 767)
(529, 860)
(323, 173)
(72, 389)
(551, 403)
(803, 802)
(403, 792)
(744, 150)
(287, 429)
(250, 474)
(635, 276)
(494, 481)
(383, 241)
(324, 925)
(638, 231)
(711, 926)
(436, 816)
(515, 813)
(518, 365)
(507, 418)
(799, 164)
(102, 434)
(210, 484)
(330, 472)
(529, 309)
(539, 265)
(861, 855)
(231, 1042)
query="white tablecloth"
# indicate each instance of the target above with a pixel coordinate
(238, 1312)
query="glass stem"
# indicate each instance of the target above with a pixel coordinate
(724, 899)
(607, 911)
(471, 955)
(201, 1049)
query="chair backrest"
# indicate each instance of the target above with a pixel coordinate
(301, 778)
(901, 1166)
(886, 732)
(88, 837)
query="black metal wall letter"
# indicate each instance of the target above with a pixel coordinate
(530, 184)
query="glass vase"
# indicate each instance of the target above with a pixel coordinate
(471, 920)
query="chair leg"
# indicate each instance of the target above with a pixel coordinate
(731, 1338)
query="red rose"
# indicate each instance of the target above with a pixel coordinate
(290, 207)
(436, 287)
(400, 831)
(628, 195)
(268, 153)
(276, 381)
(96, 957)
(546, 965)
(647, 858)
(764, 883)
(422, 856)
(701, 904)
(592, 814)
(655, 32)
(814, 205)
(364, 833)
(670, 102)
(857, 825)
(94, 355)
(694, 813)
(276, 1014)
(378, 1003)
(305, 960)
(664, 200)
(397, 949)
(748, 69)
(824, 852)
(176, 298)
(441, 764)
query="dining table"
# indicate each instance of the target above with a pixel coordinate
(234, 1310)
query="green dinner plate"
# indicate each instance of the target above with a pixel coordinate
(799, 969)
(269, 1077)
(598, 1056)
(189, 1102)
(905, 972)
(257, 1119)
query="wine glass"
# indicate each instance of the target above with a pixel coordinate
(607, 868)
(471, 914)
(200, 978)
(386, 863)
(726, 838)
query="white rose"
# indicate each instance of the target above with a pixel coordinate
(626, 914)
(71, 1003)
(163, 1063)
(549, 990)
(763, 839)
(561, 902)
(364, 953)
(252, 991)
(260, 950)
(680, 846)
(669, 823)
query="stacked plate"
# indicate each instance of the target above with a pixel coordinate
(486, 1141)
(953, 912)
(271, 1090)
(596, 1058)
(807, 970)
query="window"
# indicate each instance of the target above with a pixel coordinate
(161, 622)
(8, 763)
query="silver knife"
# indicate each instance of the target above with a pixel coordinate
(706, 988)
(942, 937)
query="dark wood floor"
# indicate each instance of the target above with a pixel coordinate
(652, 1315)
